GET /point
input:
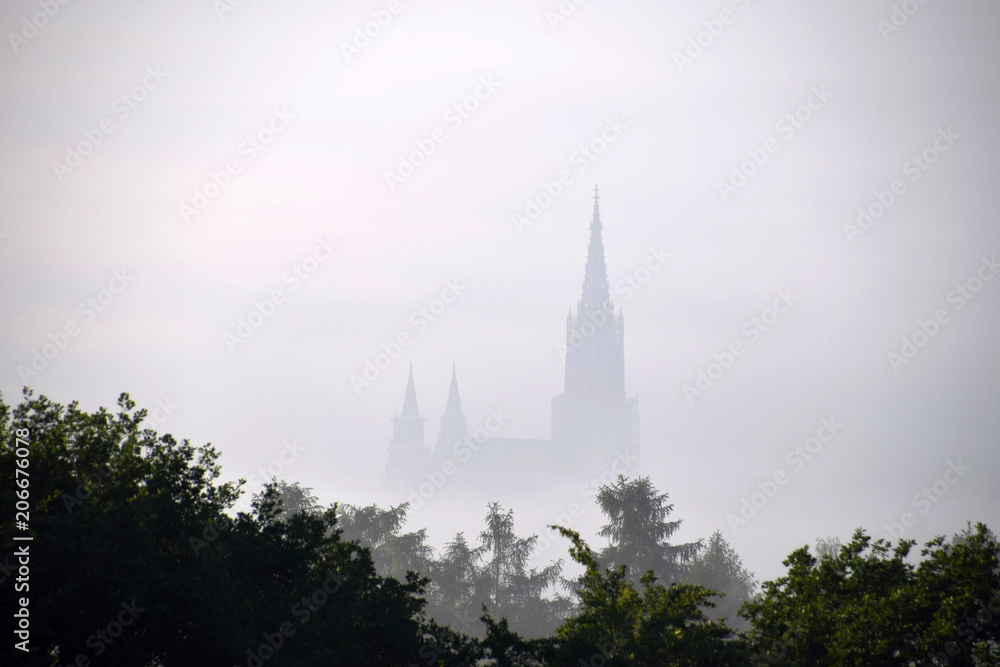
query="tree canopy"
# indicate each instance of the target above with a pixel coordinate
(870, 605)
(131, 525)
(638, 530)
(139, 557)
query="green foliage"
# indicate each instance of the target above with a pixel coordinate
(517, 592)
(458, 587)
(638, 530)
(508, 649)
(128, 520)
(291, 499)
(464, 579)
(869, 605)
(718, 567)
(123, 516)
(619, 625)
(395, 553)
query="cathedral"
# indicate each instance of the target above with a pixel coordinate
(595, 426)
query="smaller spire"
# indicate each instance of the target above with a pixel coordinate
(410, 410)
(454, 405)
(408, 427)
(453, 424)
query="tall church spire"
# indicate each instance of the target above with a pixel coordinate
(593, 406)
(406, 449)
(453, 424)
(596, 293)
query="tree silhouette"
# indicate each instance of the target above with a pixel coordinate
(638, 531)
(458, 586)
(719, 568)
(870, 605)
(291, 499)
(829, 546)
(128, 523)
(131, 524)
(395, 553)
(515, 591)
(617, 624)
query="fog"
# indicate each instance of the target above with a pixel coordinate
(819, 178)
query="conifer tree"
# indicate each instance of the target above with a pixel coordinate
(638, 531)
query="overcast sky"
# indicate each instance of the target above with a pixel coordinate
(207, 151)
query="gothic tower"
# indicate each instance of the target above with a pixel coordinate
(406, 450)
(453, 425)
(593, 414)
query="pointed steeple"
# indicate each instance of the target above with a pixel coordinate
(408, 427)
(410, 410)
(454, 406)
(595, 361)
(596, 293)
(453, 424)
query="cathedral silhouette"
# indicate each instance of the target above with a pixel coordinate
(595, 426)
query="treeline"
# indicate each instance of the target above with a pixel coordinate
(492, 574)
(138, 558)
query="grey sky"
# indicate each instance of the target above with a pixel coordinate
(336, 123)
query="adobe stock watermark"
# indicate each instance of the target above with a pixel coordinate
(121, 108)
(252, 146)
(583, 157)
(926, 330)
(223, 7)
(102, 638)
(927, 498)
(786, 127)
(209, 534)
(624, 463)
(463, 450)
(967, 630)
(796, 458)
(563, 11)
(263, 309)
(302, 610)
(88, 310)
(419, 321)
(899, 16)
(704, 39)
(30, 25)
(914, 167)
(88, 482)
(364, 35)
(627, 286)
(454, 116)
(164, 409)
(752, 329)
(290, 451)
